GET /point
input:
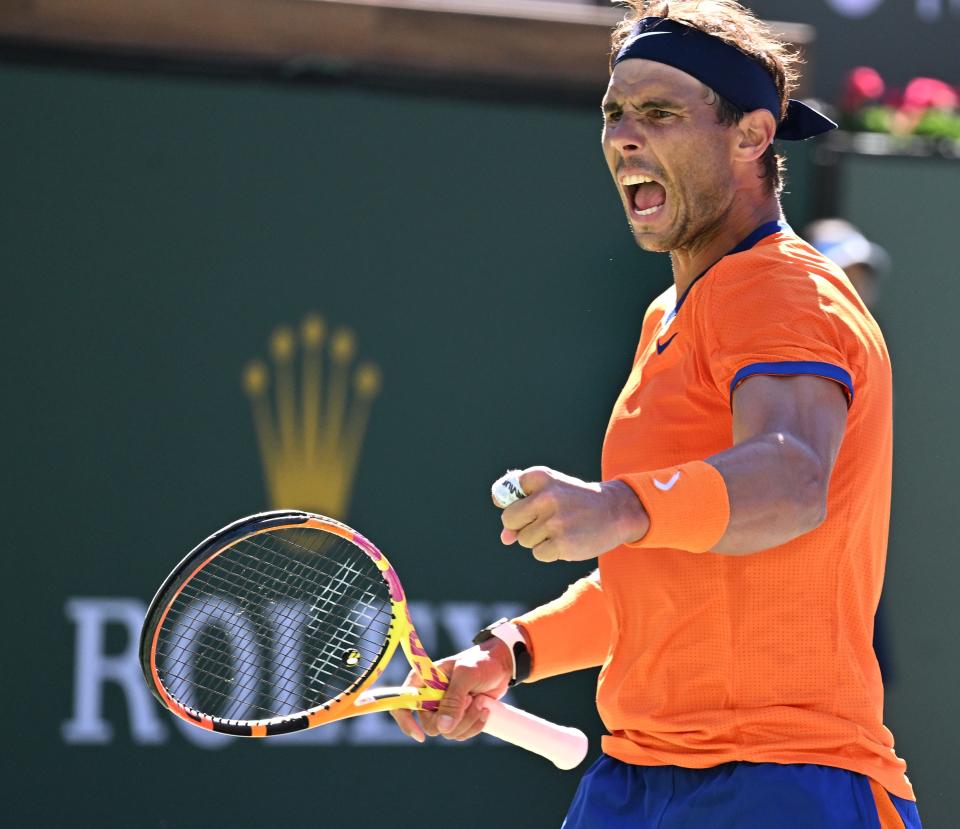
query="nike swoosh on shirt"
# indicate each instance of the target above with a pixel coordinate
(663, 347)
(676, 475)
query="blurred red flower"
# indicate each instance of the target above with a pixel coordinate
(926, 107)
(863, 85)
(924, 93)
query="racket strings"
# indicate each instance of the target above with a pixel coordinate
(245, 678)
(223, 580)
(290, 660)
(306, 608)
(330, 635)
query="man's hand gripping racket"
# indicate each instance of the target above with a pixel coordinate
(284, 621)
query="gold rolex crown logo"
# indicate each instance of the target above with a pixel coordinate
(310, 446)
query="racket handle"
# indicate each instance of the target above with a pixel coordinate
(564, 747)
(506, 489)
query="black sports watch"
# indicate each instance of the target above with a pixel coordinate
(511, 635)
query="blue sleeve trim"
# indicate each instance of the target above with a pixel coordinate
(787, 369)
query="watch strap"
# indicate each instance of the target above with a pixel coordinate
(512, 636)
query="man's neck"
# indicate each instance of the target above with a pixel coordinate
(741, 220)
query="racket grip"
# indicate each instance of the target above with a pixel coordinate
(563, 746)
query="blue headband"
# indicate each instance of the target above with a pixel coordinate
(740, 79)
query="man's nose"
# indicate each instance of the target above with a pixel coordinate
(626, 137)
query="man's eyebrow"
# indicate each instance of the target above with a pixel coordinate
(653, 103)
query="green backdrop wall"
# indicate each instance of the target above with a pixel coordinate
(909, 205)
(158, 231)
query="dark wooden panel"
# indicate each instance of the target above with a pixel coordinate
(542, 43)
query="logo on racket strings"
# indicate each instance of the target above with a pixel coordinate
(311, 405)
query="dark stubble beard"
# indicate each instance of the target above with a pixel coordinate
(692, 232)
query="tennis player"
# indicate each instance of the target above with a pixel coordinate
(741, 524)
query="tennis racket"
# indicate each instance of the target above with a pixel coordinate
(283, 621)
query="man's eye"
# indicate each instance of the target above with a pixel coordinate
(611, 116)
(660, 114)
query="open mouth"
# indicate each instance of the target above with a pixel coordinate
(645, 195)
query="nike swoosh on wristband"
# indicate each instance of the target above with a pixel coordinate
(669, 484)
(662, 348)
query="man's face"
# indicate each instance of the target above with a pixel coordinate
(670, 159)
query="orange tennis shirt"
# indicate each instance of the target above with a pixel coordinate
(765, 657)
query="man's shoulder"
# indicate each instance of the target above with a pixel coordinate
(781, 268)
(784, 285)
(784, 253)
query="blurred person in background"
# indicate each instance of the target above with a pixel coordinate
(741, 524)
(864, 262)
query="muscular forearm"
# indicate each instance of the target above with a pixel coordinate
(772, 483)
(777, 489)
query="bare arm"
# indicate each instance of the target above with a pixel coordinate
(787, 432)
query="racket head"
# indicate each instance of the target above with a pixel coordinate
(279, 622)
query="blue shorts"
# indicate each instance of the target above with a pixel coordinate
(617, 795)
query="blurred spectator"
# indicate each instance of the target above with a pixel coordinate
(864, 262)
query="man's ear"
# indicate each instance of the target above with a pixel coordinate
(755, 133)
